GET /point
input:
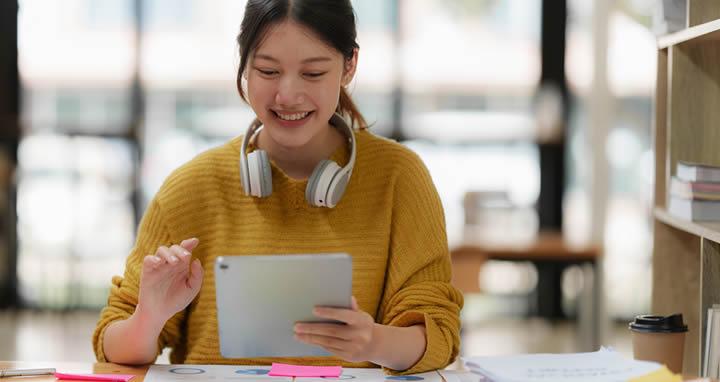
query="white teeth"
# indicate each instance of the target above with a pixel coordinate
(292, 117)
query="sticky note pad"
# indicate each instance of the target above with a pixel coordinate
(660, 375)
(95, 377)
(285, 370)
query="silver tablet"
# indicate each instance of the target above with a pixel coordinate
(260, 298)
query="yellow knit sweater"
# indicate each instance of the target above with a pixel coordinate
(390, 221)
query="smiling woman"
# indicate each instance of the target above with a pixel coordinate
(294, 81)
(296, 73)
(307, 144)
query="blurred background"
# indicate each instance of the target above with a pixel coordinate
(533, 117)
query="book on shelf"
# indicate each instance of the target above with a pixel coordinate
(694, 193)
(694, 209)
(711, 359)
(697, 172)
(694, 190)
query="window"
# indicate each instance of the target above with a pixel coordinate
(77, 168)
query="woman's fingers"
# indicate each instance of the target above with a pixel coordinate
(347, 316)
(176, 253)
(333, 343)
(190, 244)
(181, 253)
(175, 259)
(340, 331)
(151, 262)
(166, 255)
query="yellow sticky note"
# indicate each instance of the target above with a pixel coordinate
(660, 375)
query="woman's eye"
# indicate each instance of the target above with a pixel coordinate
(267, 72)
(314, 74)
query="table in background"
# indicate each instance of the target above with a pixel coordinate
(551, 255)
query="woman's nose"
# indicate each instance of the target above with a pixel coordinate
(290, 92)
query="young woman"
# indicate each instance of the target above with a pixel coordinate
(274, 191)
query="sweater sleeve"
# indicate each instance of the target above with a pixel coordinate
(417, 288)
(123, 298)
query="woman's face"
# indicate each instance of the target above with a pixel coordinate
(293, 82)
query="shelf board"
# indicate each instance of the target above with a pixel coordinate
(707, 230)
(709, 31)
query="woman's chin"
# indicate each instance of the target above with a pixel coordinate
(290, 138)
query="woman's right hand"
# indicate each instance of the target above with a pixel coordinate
(169, 281)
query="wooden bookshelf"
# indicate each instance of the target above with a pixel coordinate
(706, 32)
(706, 230)
(686, 254)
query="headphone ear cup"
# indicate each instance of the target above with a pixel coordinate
(337, 188)
(313, 181)
(266, 171)
(259, 173)
(319, 183)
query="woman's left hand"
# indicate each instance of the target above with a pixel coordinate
(352, 341)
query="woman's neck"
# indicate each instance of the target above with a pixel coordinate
(299, 162)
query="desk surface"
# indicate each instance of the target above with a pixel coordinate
(72, 367)
(100, 368)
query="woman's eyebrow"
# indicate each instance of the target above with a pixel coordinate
(305, 61)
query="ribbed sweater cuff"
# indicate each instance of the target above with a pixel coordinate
(434, 356)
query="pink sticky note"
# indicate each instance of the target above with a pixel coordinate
(285, 370)
(95, 377)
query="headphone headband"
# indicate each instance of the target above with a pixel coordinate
(325, 186)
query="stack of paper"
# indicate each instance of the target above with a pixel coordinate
(600, 366)
(232, 373)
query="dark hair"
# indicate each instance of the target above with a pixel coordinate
(332, 20)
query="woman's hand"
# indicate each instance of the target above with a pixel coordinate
(352, 341)
(169, 281)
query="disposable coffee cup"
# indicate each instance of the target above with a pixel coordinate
(660, 339)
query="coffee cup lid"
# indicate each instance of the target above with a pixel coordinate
(659, 324)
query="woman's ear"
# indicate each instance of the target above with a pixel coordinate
(350, 68)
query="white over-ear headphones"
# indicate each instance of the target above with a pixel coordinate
(325, 186)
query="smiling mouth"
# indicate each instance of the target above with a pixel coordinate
(291, 117)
